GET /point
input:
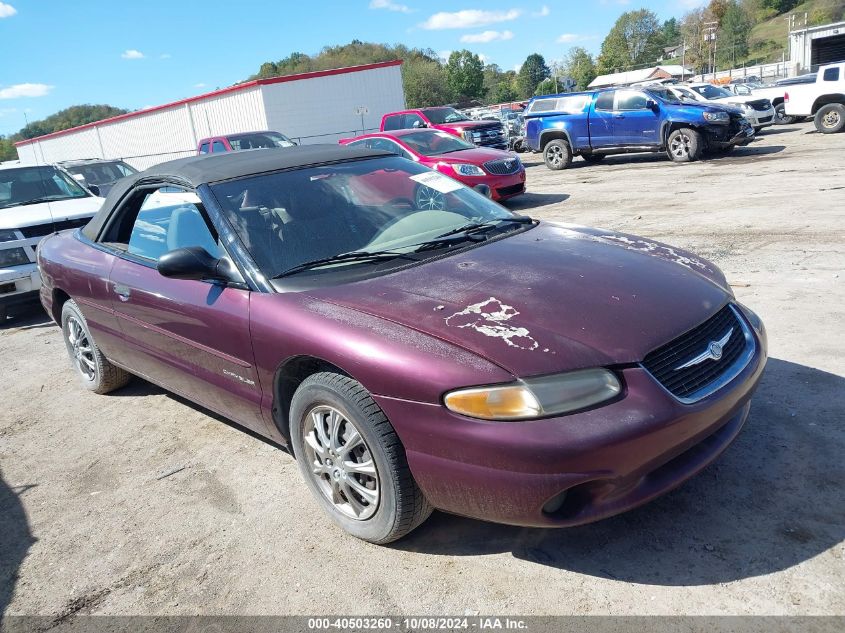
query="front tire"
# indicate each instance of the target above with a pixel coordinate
(684, 145)
(557, 155)
(94, 370)
(830, 118)
(352, 459)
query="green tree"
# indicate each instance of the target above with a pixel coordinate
(547, 87)
(505, 91)
(7, 149)
(671, 32)
(425, 84)
(734, 32)
(465, 74)
(579, 66)
(531, 73)
(68, 118)
(635, 40)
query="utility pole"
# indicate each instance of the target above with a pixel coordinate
(710, 29)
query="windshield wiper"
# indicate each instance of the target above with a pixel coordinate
(353, 256)
(39, 200)
(473, 227)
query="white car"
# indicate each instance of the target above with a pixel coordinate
(759, 112)
(824, 100)
(35, 201)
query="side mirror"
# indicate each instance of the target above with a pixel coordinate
(194, 262)
(418, 124)
(94, 189)
(80, 179)
(651, 104)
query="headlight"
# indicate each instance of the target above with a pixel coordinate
(746, 107)
(465, 169)
(717, 117)
(7, 235)
(467, 136)
(13, 257)
(535, 397)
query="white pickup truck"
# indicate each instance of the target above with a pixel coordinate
(34, 201)
(824, 100)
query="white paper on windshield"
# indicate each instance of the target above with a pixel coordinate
(438, 182)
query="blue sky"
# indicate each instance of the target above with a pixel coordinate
(133, 54)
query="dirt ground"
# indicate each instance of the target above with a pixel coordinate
(141, 503)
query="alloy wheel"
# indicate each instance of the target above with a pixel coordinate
(831, 119)
(555, 156)
(81, 351)
(341, 463)
(430, 199)
(680, 145)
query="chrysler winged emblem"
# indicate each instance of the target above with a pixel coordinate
(713, 352)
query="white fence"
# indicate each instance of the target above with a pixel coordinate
(763, 71)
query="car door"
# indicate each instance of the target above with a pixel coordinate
(189, 336)
(601, 121)
(634, 123)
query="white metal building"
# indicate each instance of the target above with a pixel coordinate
(813, 46)
(315, 107)
(644, 74)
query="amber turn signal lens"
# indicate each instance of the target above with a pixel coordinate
(512, 402)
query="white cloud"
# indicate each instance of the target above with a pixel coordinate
(131, 53)
(444, 55)
(7, 10)
(568, 37)
(25, 90)
(486, 36)
(468, 19)
(542, 12)
(390, 6)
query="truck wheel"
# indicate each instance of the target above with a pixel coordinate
(781, 118)
(685, 145)
(557, 155)
(830, 118)
(593, 158)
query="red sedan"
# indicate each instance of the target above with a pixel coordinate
(495, 173)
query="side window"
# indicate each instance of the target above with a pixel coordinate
(388, 146)
(218, 146)
(204, 148)
(543, 105)
(605, 100)
(743, 90)
(413, 120)
(630, 100)
(363, 143)
(831, 74)
(393, 122)
(169, 218)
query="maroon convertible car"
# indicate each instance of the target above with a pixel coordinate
(462, 358)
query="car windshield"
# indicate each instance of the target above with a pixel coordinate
(31, 185)
(389, 207)
(438, 116)
(259, 140)
(661, 94)
(434, 143)
(711, 92)
(102, 173)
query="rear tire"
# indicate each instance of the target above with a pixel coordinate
(352, 460)
(557, 155)
(781, 118)
(94, 370)
(830, 118)
(684, 145)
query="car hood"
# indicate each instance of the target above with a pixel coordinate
(476, 156)
(472, 125)
(553, 298)
(48, 212)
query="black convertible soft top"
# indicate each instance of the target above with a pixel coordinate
(211, 168)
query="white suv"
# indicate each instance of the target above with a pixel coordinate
(34, 201)
(759, 112)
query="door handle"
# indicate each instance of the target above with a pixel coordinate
(122, 291)
(619, 116)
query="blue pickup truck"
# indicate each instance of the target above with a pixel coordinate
(627, 120)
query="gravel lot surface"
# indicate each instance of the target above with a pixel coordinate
(141, 503)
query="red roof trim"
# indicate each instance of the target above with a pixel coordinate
(214, 93)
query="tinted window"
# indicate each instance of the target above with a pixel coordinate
(263, 140)
(443, 115)
(393, 122)
(204, 148)
(543, 105)
(434, 142)
(605, 101)
(831, 74)
(26, 185)
(413, 120)
(628, 100)
(218, 146)
(573, 104)
(388, 146)
(169, 218)
(102, 173)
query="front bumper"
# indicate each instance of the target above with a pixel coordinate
(760, 118)
(581, 467)
(19, 286)
(499, 187)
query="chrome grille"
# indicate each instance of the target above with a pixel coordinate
(503, 167)
(760, 104)
(492, 136)
(680, 367)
